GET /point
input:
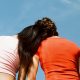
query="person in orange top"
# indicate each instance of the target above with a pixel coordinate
(59, 57)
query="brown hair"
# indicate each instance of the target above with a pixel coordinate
(30, 39)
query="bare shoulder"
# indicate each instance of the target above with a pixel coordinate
(35, 61)
(35, 58)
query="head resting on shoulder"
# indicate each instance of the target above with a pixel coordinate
(30, 39)
(46, 27)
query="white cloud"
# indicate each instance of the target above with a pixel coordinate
(66, 1)
(70, 8)
(72, 4)
(76, 6)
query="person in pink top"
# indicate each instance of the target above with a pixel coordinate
(16, 52)
(59, 57)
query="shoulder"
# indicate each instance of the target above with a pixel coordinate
(8, 38)
(8, 41)
(35, 58)
(35, 61)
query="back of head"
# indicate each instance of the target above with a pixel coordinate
(46, 26)
(30, 39)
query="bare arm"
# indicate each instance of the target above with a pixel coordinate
(33, 69)
(22, 73)
(5, 76)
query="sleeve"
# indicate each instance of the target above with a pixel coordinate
(79, 52)
(38, 52)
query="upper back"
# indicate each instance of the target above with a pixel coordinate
(9, 59)
(58, 55)
(57, 47)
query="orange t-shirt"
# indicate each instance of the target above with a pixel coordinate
(59, 59)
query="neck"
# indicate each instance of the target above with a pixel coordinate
(55, 36)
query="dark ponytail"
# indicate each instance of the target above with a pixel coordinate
(30, 39)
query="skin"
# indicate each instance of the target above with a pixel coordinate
(4, 76)
(34, 68)
(31, 75)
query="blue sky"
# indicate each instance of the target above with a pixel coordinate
(16, 14)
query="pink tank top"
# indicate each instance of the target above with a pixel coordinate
(9, 59)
